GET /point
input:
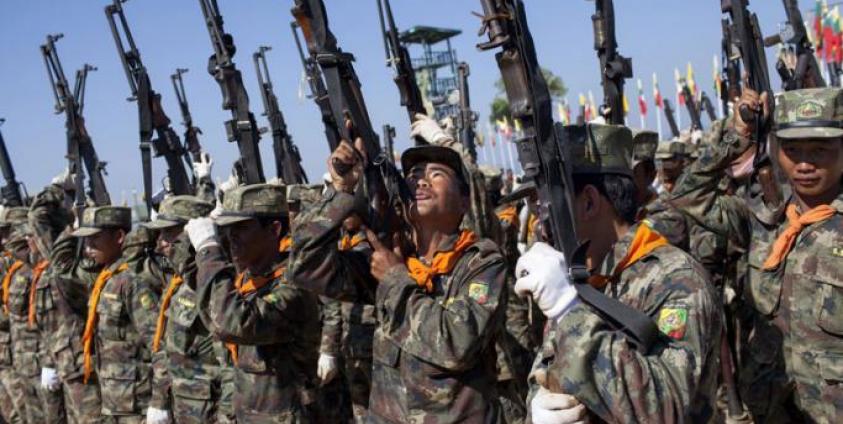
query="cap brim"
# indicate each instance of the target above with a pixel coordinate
(809, 133)
(222, 221)
(435, 154)
(160, 224)
(85, 231)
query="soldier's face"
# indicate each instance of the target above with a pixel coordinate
(814, 167)
(436, 193)
(105, 246)
(352, 224)
(167, 238)
(249, 241)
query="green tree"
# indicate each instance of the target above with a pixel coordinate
(500, 104)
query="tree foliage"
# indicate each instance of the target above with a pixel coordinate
(500, 105)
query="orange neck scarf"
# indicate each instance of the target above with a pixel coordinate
(784, 243)
(252, 285)
(442, 263)
(645, 241)
(7, 282)
(348, 243)
(91, 323)
(285, 244)
(509, 215)
(36, 275)
(175, 282)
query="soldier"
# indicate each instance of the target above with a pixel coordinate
(790, 359)
(438, 309)
(121, 312)
(644, 172)
(270, 327)
(671, 156)
(13, 389)
(185, 355)
(675, 380)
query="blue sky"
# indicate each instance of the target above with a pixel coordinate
(659, 35)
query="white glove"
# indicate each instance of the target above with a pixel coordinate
(64, 180)
(202, 232)
(49, 379)
(543, 273)
(428, 129)
(231, 183)
(326, 368)
(556, 408)
(157, 416)
(202, 168)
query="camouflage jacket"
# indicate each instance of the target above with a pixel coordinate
(791, 361)
(677, 379)
(277, 332)
(25, 339)
(5, 324)
(359, 320)
(331, 313)
(187, 363)
(127, 313)
(433, 353)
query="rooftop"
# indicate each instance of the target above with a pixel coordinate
(427, 35)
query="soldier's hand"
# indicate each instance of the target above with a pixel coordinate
(427, 128)
(751, 109)
(203, 167)
(556, 408)
(346, 165)
(326, 368)
(50, 379)
(383, 259)
(201, 232)
(157, 416)
(542, 273)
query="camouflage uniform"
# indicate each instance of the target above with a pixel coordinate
(186, 366)
(62, 300)
(12, 404)
(276, 328)
(790, 368)
(584, 356)
(433, 355)
(333, 403)
(126, 315)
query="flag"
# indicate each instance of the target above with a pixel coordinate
(517, 123)
(657, 95)
(586, 111)
(592, 105)
(818, 26)
(678, 77)
(837, 54)
(503, 127)
(718, 81)
(689, 79)
(564, 113)
(625, 105)
(642, 102)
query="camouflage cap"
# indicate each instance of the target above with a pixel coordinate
(598, 148)
(644, 145)
(177, 210)
(14, 216)
(671, 149)
(253, 201)
(17, 237)
(436, 154)
(99, 218)
(140, 236)
(810, 113)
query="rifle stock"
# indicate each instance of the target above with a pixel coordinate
(671, 118)
(11, 192)
(807, 72)
(191, 132)
(614, 68)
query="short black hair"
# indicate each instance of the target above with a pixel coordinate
(620, 190)
(266, 221)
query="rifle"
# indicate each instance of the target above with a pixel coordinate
(693, 108)
(389, 142)
(11, 192)
(80, 148)
(191, 133)
(730, 88)
(467, 117)
(385, 188)
(151, 116)
(242, 128)
(287, 158)
(614, 68)
(671, 118)
(398, 57)
(705, 102)
(540, 152)
(793, 32)
(318, 92)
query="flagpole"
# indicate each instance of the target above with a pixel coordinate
(659, 121)
(500, 146)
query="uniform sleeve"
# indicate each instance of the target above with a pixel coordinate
(46, 209)
(448, 333)
(265, 318)
(331, 326)
(613, 380)
(161, 382)
(699, 194)
(317, 264)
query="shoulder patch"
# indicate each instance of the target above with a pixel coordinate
(110, 296)
(271, 298)
(837, 251)
(146, 300)
(478, 291)
(672, 322)
(187, 303)
(20, 279)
